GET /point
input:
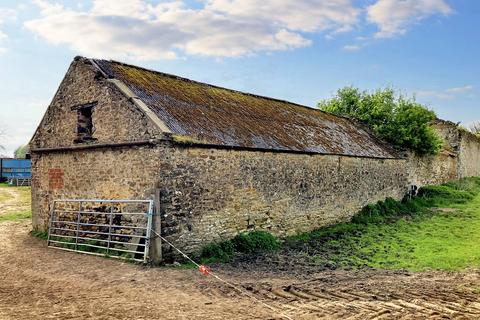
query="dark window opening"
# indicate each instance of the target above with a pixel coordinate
(85, 128)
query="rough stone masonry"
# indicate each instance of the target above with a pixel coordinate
(223, 161)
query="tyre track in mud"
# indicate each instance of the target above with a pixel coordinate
(40, 283)
(387, 295)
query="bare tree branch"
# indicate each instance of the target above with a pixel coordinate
(475, 127)
(2, 134)
(3, 137)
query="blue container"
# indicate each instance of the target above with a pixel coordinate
(15, 168)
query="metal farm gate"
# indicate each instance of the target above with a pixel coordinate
(115, 228)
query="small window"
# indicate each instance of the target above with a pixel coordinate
(85, 126)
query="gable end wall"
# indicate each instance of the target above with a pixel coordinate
(104, 173)
(115, 118)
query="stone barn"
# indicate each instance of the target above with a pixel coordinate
(221, 161)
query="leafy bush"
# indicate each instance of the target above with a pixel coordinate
(399, 120)
(383, 211)
(242, 243)
(471, 184)
(221, 252)
(255, 241)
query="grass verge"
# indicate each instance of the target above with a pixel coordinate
(16, 216)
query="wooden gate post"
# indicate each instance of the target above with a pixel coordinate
(156, 242)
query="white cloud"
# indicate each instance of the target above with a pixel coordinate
(222, 28)
(5, 15)
(27, 111)
(446, 94)
(352, 47)
(434, 94)
(463, 89)
(307, 16)
(394, 17)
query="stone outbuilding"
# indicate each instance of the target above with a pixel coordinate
(223, 161)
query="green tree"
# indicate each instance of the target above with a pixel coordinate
(401, 121)
(21, 152)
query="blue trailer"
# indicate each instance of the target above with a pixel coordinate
(15, 169)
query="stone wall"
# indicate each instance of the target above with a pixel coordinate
(115, 118)
(432, 169)
(469, 157)
(459, 157)
(213, 194)
(111, 173)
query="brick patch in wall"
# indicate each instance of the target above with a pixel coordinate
(55, 178)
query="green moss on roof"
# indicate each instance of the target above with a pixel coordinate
(226, 117)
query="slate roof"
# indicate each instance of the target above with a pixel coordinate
(224, 117)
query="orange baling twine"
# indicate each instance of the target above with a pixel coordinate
(206, 271)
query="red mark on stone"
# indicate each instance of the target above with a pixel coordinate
(55, 178)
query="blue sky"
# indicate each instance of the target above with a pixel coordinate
(301, 51)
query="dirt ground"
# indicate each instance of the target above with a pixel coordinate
(37, 282)
(11, 201)
(14, 199)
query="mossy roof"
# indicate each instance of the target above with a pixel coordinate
(224, 117)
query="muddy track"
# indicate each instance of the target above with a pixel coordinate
(349, 301)
(374, 295)
(41, 283)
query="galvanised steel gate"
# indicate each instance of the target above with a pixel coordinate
(114, 228)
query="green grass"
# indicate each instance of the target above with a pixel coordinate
(16, 216)
(21, 209)
(445, 241)
(438, 230)
(40, 234)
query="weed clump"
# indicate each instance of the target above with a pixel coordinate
(248, 243)
(40, 234)
(219, 252)
(255, 241)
